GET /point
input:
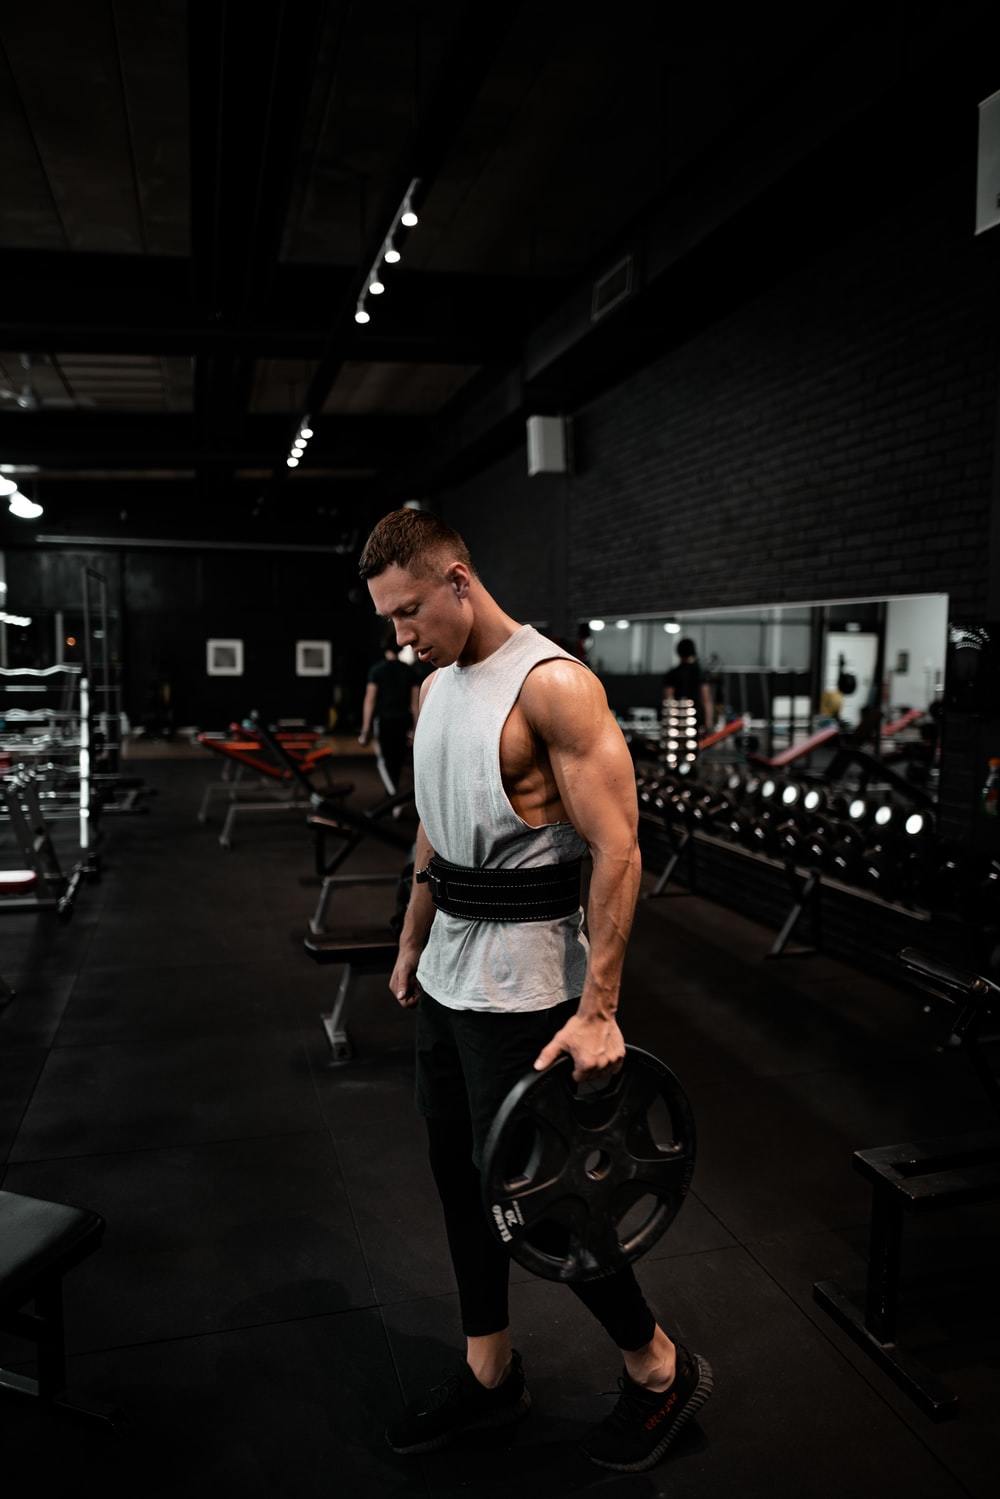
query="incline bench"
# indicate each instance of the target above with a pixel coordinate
(332, 818)
(280, 776)
(39, 1242)
(920, 1176)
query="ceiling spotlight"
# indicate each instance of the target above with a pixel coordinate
(914, 824)
(361, 316)
(811, 800)
(392, 257)
(672, 627)
(883, 816)
(298, 446)
(856, 810)
(621, 624)
(292, 462)
(375, 287)
(306, 433)
(24, 508)
(768, 789)
(7, 486)
(790, 795)
(408, 218)
(597, 624)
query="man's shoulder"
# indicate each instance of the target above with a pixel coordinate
(559, 684)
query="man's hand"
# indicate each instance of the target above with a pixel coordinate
(363, 737)
(403, 982)
(596, 1046)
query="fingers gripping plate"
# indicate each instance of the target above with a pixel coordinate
(577, 1184)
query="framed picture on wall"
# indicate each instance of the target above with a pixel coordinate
(224, 658)
(312, 658)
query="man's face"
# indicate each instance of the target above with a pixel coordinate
(432, 614)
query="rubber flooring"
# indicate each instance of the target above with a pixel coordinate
(274, 1281)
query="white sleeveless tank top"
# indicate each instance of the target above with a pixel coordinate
(468, 818)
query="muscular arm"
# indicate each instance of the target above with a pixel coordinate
(567, 708)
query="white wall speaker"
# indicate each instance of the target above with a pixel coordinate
(988, 165)
(546, 445)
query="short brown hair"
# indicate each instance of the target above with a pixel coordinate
(413, 539)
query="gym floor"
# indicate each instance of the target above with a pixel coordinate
(274, 1281)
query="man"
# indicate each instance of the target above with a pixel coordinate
(518, 766)
(685, 682)
(391, 704)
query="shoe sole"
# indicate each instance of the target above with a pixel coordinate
(485, 1423)
(692, 1406)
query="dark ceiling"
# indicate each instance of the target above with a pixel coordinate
(193, 195)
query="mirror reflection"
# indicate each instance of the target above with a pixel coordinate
(786, 679)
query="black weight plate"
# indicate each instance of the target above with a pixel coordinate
(565, 1169)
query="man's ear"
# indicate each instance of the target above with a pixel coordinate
(458, 577)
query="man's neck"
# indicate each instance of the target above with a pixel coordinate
(491, 629)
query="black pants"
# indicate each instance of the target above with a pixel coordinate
(390, 738)
(467, 1061)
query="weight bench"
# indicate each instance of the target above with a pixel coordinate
(40, 885)
(333, 818)
(717, 736)
(801, 750)
(351, 828)
(39, 1243)
(361, 953)
(284, 779)
(918, 1177)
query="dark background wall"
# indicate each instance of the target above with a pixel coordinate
(834, 437)
(517, 531)
(167, 603)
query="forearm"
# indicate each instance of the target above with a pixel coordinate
(614, 890)
(420, 911)
(368, 710)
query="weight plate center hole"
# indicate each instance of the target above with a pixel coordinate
(597, 1165)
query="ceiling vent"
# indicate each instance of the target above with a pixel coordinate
(612, 288)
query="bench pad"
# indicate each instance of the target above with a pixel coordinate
(38, 1238)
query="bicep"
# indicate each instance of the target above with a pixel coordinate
(590, 760)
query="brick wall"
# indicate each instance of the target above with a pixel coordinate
(834, 437)
(516, 529)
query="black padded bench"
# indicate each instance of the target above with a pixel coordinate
(921, 1176)
(361, 953)
(39, 1242)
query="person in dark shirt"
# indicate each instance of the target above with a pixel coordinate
(391, 698)
(685, 681)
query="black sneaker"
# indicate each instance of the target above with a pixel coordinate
(645, 1422)
(460, 1404)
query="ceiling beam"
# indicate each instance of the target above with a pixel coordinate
(477, 42)
(249, 87)
(66, 440)
(56, 302)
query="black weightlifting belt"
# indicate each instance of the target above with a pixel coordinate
(542, 894)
